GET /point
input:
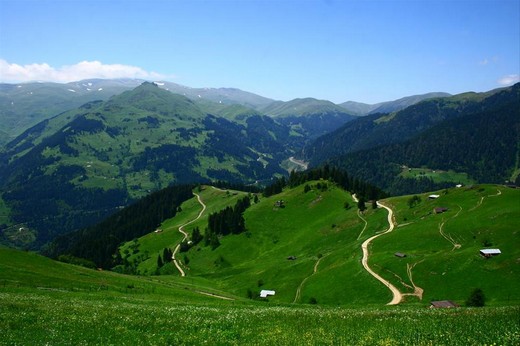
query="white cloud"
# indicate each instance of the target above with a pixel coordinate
(70, 73)
(509, 79)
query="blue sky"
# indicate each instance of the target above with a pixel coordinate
(362, 50)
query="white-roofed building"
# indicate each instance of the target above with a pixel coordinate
(490, 252)
(265, 293)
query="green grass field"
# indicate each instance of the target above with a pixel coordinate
(48, 302)
(325, 239)
(437, 176)
(450, 266)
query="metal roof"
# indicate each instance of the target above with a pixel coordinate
(491, 251)
(265, 293)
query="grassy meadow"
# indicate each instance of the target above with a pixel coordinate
(323, 296)
(43, 302)
(437, 176)
(324, 238)
(448, 265)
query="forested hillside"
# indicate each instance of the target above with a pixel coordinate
(383, 129)
(79, 166)
(99, 243)
(484, 144)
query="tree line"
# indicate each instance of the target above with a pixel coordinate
(326, 172)
(99, 243)
(227, 221)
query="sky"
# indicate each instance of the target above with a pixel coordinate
(339, 50)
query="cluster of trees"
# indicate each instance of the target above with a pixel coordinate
(326, 172)
(166, 257)
(413, 201)
(227, 221)
(196, 237)
(99, 243)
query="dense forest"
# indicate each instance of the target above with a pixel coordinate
(485, 145)
(378, 130)
(99, 243)
(326, 172)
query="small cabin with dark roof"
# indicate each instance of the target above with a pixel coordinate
(440, 210)
(443, 304)
(400, 254)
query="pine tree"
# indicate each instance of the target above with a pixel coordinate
(160, 262)
(361, 204)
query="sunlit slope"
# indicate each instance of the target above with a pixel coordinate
(308, 248)
(444, 248)
(314, 228)
(142, 253)
(28, 272)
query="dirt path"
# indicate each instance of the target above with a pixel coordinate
(499, 192)
(181, 230)
(417, 291)
(361, 217)
(397, 296)
(298, 291)
(214, 295)
(300, 163)
(447, 236)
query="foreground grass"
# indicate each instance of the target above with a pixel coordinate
(58, 318)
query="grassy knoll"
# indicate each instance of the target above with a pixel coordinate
(311, 226)
(448, 264)
(437, 176)
(326, 238)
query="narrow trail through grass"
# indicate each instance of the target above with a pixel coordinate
(181, 230)
(298, 291)
(447, 236)
(365, 227)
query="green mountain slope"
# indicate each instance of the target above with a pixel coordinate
(383, 129)
(442, 250)
(359, 108)
(86, 162)
(24, 105)
(313, 117)
(308, 249)
(484, 144)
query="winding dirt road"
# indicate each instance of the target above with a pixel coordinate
(397, 295)
(181, 230)
(300, 163)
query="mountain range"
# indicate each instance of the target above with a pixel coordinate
(75, 168)
(24, 105)
(474, 133)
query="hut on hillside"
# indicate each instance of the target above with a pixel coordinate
(490, 252)
(400, 255)
(443, 304)
(265, 293)
(440, 210)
